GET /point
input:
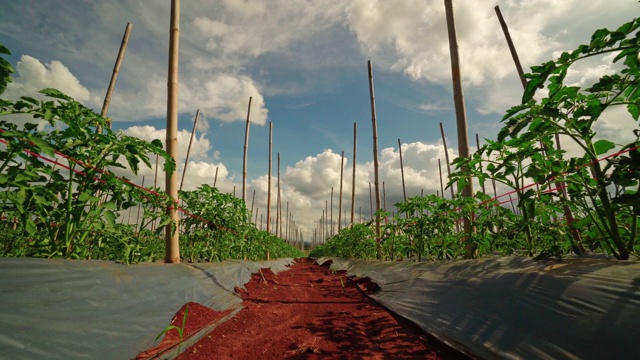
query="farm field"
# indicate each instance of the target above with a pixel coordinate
(546, 268)
(309, 312)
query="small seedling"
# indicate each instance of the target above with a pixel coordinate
(179, 329)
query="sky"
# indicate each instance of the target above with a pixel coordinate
(304, 63)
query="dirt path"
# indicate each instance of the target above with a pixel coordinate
(311, 312)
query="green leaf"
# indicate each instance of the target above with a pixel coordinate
(634, 110)
(56, 94)
(30, 226)
(603, 146)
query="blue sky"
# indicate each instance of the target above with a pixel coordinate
(305, 64)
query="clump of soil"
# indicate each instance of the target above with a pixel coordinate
(311, 312)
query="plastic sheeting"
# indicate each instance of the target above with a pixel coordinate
(516, 307)
(70, 309)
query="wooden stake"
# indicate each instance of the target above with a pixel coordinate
(155, 184)
(269, 185)
(172, 238)
(186, 161)
(326, 219)
(371, 201)
(375, 161)
(279, 205)
(246, 147)
(139, 207)
(480, 162)
(461, 120)
(331, 212)
(253, 200)
(404, 189)
(353, 176)
(215, 178)
(384, 200)
(441, 185)
(446, 156)
(568, 214)
(512, 48)
(340, 197)
(114, 75)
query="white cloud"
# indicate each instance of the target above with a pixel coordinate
(33, 76)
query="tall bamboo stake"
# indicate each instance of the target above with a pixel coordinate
(286, 237)
(155, 184)
(139, 207)
(172, 238)
(215, 178)
(512, 48)
(461, 120)
(353, 175)
(279, 205)
(246, 148)
(331, 212)
(323, 230)
(269, 180)
(568, 214)
(114, 75)
(253, 200)
(371, 201)
(186, 161)
(340, 197)
(375, 161)
(404, 189)
(384, 200)
(326, 219)
(480, 162)
(441, 185)
(446, 156)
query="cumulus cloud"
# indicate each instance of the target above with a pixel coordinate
(411, 37)
(33, 76)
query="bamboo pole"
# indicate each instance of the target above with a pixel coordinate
(114, 75)
(568, 214)
(286, 237)
(253, 200)
(139, 207)
(484, 190)
(340, 197)
(371, 201)
(441, 185)
(512, 48)
(446, 156)
(461, 120)
(186, 161)
(384, 197)
(215, 178)
(279, 205)
(327, 233)
(155, 184)
(353, 176)
(172, 238)
(375, 161)
(246, 148)
(331, 213)
(404, 189)
(269, 180)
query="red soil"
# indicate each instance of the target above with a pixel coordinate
(311, 312)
